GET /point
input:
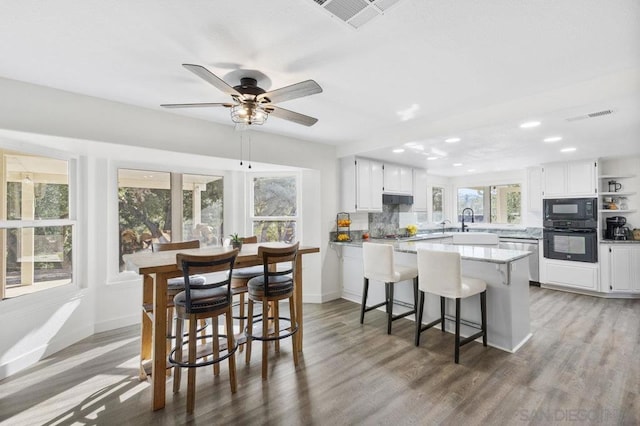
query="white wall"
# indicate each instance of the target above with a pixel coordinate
(106, 135)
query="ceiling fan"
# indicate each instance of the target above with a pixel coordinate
(252, 104)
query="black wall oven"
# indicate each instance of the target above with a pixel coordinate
(579, 245)
(570, 229)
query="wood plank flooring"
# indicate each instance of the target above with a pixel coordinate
(582, 366)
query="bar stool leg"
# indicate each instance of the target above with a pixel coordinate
(249, 331)
(294, 341)
(419, 312)
(364, 300)
(265, 343)
(457, 350)
(241, 320)
(177, 373)
(216, 345)
(191, 375)
(276, 324)
(415, 297)
(442, 312)
(230, 345)
(389, 307)
(483, 309)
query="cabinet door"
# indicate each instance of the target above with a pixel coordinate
(348, 185)
(624, 268)
(369, 186)
(406, 180)
(377, 182)
(363, 188)
(391, 178)
(420, 190)
(581, 178)
(554, 178)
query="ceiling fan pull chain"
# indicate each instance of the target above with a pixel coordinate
(249, 136)
(241, 145)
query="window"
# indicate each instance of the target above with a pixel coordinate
(491, 204)
(437, 204)
(274, 207)
(145, 213)
(36, 224)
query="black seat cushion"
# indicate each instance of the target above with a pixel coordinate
(278, 285)
(178, 282)
(211, 297)
(248, 272)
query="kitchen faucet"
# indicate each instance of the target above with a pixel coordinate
(443, 223)
(466, 227)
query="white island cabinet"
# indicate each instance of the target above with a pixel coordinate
(505, 271)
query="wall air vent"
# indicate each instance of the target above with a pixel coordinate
(356, 13)
(591, 115)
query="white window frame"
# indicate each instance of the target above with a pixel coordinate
(73, 173)
(116, 276)
(297, 218)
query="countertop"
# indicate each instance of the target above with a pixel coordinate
(477, 253)
(619, 241)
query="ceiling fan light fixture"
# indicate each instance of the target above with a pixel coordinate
(248, 114)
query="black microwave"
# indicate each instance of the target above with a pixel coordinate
(576, 213)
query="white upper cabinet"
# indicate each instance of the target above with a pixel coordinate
(398, 179)
(362, 181)
(576, 178)
(419, 190)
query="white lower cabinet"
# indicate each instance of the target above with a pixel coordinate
(620, 271)
(579, 275)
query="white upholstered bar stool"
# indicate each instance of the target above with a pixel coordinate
(440, 274)
(379, 264)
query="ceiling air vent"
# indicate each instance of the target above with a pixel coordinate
(356, 13)
(591, 115)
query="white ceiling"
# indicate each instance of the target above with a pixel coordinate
(474, 69)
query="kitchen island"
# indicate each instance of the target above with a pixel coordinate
(505, 271)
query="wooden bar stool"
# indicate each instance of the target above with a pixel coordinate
(176, 285)
(274, 285)
(440, 274)
(239, 280)
(379, 264)
(208, 300)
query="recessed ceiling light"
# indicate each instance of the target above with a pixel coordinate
(408, 113)
(571, 149)
(471, 170)
(414, 145)
(432, 158)
(457, 164)
(553, 139)
(398, 150)
(529, 124)
(452, 140)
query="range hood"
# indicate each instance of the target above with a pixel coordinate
(395, 199)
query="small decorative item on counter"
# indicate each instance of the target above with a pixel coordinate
(236, 241)
(365, 235)
(412, 230)
(636, 234)
(343, 223)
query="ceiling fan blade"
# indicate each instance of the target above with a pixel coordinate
(298, 90)
(198, 105)
(213, 79)
(296, 117)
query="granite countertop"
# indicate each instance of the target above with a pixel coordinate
(477, 253)
(619, 241)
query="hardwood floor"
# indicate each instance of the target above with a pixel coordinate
(581, 366)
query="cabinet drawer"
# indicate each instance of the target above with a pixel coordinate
(573, 274)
